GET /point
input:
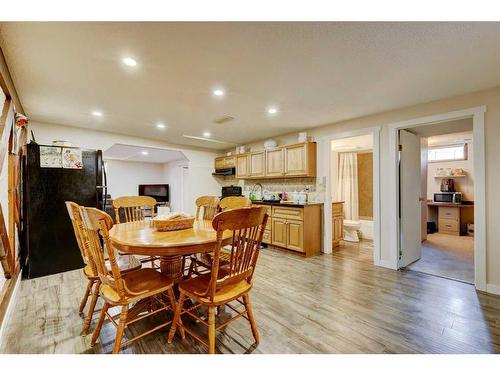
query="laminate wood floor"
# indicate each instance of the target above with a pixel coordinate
(337, 303)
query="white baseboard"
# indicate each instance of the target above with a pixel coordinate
(493, 289)
(9, 308)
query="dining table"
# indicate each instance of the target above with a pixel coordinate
(141, 238)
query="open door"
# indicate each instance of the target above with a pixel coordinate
(409, 198)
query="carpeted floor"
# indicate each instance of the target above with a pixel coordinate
(448, 256)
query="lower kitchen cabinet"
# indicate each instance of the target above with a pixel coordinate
(279, 232)
(295, 228)
(295, 235)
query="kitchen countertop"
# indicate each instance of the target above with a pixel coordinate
(285, 204)
(442, 204)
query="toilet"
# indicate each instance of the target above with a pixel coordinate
(351, 228)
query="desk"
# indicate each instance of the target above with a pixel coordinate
(450, 217)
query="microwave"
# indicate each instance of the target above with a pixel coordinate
(448, 197)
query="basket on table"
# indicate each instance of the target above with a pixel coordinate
(172, 221)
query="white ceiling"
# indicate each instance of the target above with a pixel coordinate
(443, 128)
(135, 154)
(316, 73)
(362, 142)
(450, 139)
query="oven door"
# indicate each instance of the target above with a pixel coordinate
(443, 197)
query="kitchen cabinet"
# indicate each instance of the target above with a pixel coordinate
(294, 235)
(290, 161)
(224, 162)
(275, 162)
(294, 228)
(257, 163)
(279, 232)
(242, 167)
(337, 223)
(300, 160)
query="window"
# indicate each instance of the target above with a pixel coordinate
(448, 153)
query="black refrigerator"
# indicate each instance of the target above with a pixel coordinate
(48, 243)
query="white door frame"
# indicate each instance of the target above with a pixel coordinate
(325, 174)
(477, 115)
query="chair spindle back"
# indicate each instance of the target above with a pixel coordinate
(231, 203)
(247, 225)
(210, 206)
(97, 224)
(133, 207)
(81, 238)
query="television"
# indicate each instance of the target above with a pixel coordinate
(157, 191)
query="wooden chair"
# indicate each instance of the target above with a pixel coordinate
(146, 288)
(125, 263)
(209, 205)
(231, 203)
(224, 285)
(206, 208)
(134, 208)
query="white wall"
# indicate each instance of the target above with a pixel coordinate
(125, 176)
(462, 184)
(198, 178)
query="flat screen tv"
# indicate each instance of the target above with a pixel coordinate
(157, 191)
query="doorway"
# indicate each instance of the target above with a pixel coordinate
(407, 243)
(353, 180)
(443, 153)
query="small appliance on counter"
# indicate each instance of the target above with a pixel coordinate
(231, 191)
(448, 197)
(447, 185)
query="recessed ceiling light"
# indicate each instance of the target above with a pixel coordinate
(129, 61)
(144, 152)
(207, 134)
(272, 110)
(97, 113)
(218, 92)
(161, 125)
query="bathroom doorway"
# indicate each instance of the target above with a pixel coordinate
(353, 190)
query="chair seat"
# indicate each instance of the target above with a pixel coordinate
(140, 283)
(126, 263)
(198, 285)
(224, 257)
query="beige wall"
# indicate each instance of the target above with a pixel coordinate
(490, 98)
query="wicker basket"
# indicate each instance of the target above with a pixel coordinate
(174, 224)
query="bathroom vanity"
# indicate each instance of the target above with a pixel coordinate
(337, 223)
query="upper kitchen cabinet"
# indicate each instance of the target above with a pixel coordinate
(242, 166)
(300, 160)
(297, 160)
(224, 162)
(257, 164)
(275, 162)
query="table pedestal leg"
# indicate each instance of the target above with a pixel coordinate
(171, 266)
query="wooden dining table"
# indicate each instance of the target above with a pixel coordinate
(140, 238)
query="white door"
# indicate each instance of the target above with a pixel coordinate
(409, 197)
(424, 149)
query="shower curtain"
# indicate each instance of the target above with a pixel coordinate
(348, 184)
